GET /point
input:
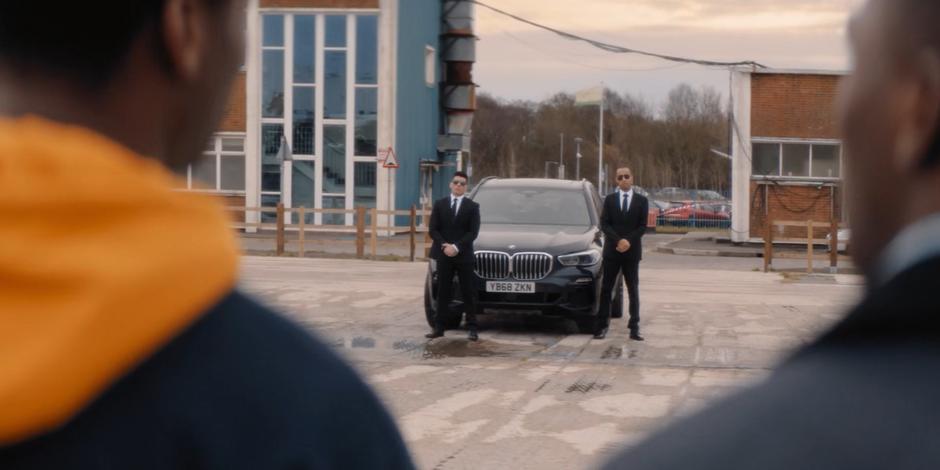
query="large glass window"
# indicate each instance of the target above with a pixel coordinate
(826, 161)
(269, 200)
(271, 135)
(795, 160)
(232, 172)
(334, 93)
(310, 64)
(304, 50)
(222, 166)
(304, 120)
(765, 160)
(365, 184)
(303, 185)
(366, 121)
(273, 31)
(334, 202)
(334, 163)
(203, 173)
(272, 83)
(335, 30)
(366, 49)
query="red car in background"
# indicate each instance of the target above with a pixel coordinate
(697, 213)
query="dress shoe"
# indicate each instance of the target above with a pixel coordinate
(635, 336)
(473, 336)
(434, 334)
(601, 334)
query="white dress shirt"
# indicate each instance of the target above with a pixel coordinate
(620, 194)
(456, 211)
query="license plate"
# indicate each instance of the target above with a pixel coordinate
(510, 287)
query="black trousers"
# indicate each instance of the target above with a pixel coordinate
(446, 267)
(631, 275)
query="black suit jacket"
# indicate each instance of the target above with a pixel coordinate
(864, 396)
(631, 226)
(460, 231)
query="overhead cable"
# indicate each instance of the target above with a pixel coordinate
(620, 49)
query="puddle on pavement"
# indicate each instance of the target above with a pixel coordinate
(447, 348)
(363, 342)
(613, 352)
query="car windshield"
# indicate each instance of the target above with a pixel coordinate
(533, 206)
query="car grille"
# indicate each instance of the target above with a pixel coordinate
(520, 266)
(492, 264)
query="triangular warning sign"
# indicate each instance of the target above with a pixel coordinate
(391, 161)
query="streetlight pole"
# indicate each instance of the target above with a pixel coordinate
(577, 159)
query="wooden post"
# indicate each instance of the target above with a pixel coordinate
(375, 230)
(834, 246)
(360, 232)
(279, 249)
(414, 229)
(300, 235)
(809, 246)
(769, 245)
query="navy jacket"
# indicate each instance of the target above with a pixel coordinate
(242, 388)
(864, 396)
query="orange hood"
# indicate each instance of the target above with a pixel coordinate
(102, 262)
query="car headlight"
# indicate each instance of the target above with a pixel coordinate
(584, 258)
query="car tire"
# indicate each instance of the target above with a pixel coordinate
(430, 313)
(616, 304)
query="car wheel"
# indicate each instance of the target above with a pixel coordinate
(430, 312)
(616, 304)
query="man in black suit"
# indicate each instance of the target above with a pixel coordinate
(623, 221)
(455, 224)
(864, 395)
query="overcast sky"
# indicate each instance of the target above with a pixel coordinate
(518, 61)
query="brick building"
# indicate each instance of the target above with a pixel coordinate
(786, 151)
(326, 87)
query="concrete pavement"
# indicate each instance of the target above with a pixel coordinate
(533, 393)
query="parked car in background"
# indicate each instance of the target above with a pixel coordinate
(539, 250)
(697, 214)
(707, 195)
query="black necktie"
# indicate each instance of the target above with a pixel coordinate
(453, 207)
(626, 202)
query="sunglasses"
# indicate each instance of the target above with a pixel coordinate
(459, 183)
(623, 177)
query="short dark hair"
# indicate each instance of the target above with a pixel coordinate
(462, 175)
(86, 41)
(83, 41)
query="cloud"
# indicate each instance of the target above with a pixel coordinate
(619, 15)
(518, 61)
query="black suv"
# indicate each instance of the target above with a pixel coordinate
(539, 249)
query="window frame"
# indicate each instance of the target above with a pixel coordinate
(780, 142)
(217, 153)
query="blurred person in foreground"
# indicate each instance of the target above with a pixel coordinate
(123, 342)
(864, 395)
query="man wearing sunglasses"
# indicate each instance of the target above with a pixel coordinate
(455, 224)
(623, 221)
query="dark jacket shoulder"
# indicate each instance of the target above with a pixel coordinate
(860, 397)
(241, 388)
